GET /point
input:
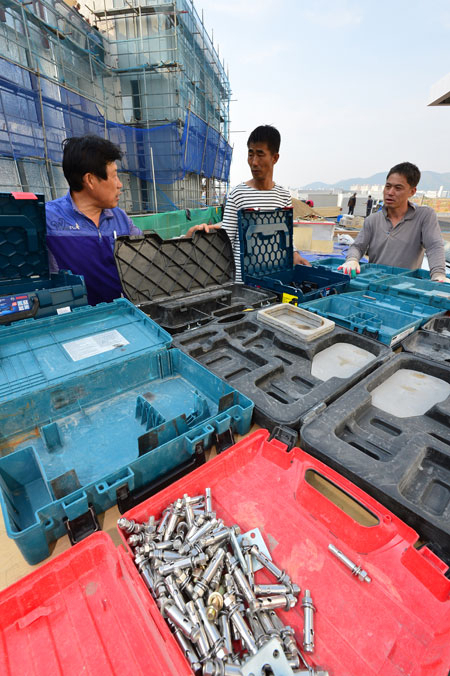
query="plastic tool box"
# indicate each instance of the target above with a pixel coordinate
(390, 434)
(371, 273)
(410, 288)
(386, 318)
(397, 624)
(420, 273)
(439, 325)
(184, 282)
(267, 258)
(429, 344)
(286, 377)
(27, 289)
(96, 409)
(85, 612)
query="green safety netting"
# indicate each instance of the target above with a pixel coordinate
(176, 223)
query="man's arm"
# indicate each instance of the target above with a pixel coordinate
(357, 250)
(361, 243)
(434, 246)
(230, 220)
(134, 230)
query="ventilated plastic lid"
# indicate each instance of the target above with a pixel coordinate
(266, 241)
(155, 269)
(23, 250)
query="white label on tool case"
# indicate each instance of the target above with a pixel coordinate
(63, 310)
(396, 339)
(92, 345)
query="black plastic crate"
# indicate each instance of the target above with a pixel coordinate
(273, 368)
(183, 282)
(27, 289)
(266, 239)
(399, 453)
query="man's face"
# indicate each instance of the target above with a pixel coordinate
(261, 160)
(107, 191)
(397, 191)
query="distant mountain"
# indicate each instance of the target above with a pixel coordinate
(430, 180)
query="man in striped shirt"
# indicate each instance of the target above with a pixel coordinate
(260, 192)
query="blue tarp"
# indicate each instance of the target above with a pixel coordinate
(25, 112)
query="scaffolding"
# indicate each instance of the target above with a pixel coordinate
(144, 74)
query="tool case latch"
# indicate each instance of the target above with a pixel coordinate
(224, 440)
(286, 435)
(82, 526)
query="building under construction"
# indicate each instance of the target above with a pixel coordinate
(144, 74)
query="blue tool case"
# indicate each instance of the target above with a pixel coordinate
(266, 239)
(27, 289)
(413, 289)
(388, 319)
(370, 273)
(97, 408)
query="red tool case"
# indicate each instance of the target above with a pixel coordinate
(89, 612)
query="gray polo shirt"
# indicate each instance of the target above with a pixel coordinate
(404, 245)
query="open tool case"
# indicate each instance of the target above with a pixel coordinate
(370, 273)
(27, 289)
(267, 258)
(386, 318)
(390, 434)
(184, 282)
(285, 370)
(96, 408)
(89, 611)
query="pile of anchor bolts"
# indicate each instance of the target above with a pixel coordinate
(202, 580)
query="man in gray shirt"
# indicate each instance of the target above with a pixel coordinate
(401, 232)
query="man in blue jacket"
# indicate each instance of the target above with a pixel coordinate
(82, 225)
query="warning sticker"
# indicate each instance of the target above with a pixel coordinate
(287, 298)
(92, 345)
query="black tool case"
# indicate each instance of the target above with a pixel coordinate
(184, 282)
(402, 460)
(274, 368)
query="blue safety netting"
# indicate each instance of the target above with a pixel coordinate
(205, 151)
(30, 107)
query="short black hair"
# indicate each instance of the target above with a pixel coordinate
(266, 134)
(87, 154)
(409, 171)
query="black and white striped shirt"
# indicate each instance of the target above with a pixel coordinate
(245, 197)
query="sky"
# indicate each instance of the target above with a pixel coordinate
(346, 83)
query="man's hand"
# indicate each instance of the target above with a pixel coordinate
(350, 267)
(202, 226)
(439, 277)
(299, 260)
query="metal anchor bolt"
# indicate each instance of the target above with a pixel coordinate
(285, 601)
(202, 584)
(238, 621)
(280, 575)
(186, 562)
(129, 526)
(182, 622)
(217, 641)
(186, 647)
(202, 641)
(308, 622)
(242, 582)
(355, 569)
